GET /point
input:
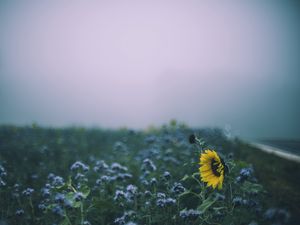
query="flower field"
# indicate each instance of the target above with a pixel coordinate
(159, 176)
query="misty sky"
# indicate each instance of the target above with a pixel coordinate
(141, 63)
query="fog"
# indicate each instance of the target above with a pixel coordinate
(139, 63)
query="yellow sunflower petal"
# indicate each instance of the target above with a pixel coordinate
(212, 175)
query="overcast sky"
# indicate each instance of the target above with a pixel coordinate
(139, 63)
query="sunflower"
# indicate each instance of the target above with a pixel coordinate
(212, 169)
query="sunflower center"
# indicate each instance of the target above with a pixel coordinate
(215, 167)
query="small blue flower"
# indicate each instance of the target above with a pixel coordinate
(2, 171)
(50, 176)
(237, 201)
(81, 178)
(190, 214)
(160, 202)
(178, 188)
(68, 204)
(118, 167)
(48, 186)
(167, 175)
(100, 166)
(42, 207)
(170, 201)
(153, 181)
(104, 179)
(119, 195)
(78, 196)
(246, 172)
(57, 181)
(161, 195)
(148, 194)
(2, 183)
(151, 139)
(123, 176)
(148, 165)
(120, 221)
(28, 192)
(58, 210)
(131, 189)
(45, 192)
(19, 212)
(59, 198)
(79, 166)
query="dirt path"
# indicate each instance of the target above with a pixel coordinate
(277, 151)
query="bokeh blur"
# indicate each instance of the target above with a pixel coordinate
(232, 65)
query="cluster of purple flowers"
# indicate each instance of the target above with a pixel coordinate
(58, 210)
(59, 198)
(166, 175)
(79, 166)
(251, 203)
(178, 188)
(117, 167)
(162, 200)
(112, 173)
(46, 191)
(245, 174)
(148, 165)
(78, 196)
(28, 192)
(280, 216)
(55, 181)
(2, 174)
(19, 212)
(79, 177)
(190, 214)
(151, 139)
(100, 166)
(125, 217)
(16, 191)
(128, 195)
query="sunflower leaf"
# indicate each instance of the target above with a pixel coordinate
(185, 177)
(206, 204)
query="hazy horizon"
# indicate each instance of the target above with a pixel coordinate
(141, 63)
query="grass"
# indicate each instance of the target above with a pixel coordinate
(280, 177)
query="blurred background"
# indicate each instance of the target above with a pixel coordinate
(139, 63)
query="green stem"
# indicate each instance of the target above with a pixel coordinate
(190, 192)
(67, 217)
(31, 206)
(81, 213)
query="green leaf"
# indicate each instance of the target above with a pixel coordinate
(184, 193)
(85, 191)
(69, 182)
(207, 203)
(185, 177)
(70, 197)
(249, 187)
